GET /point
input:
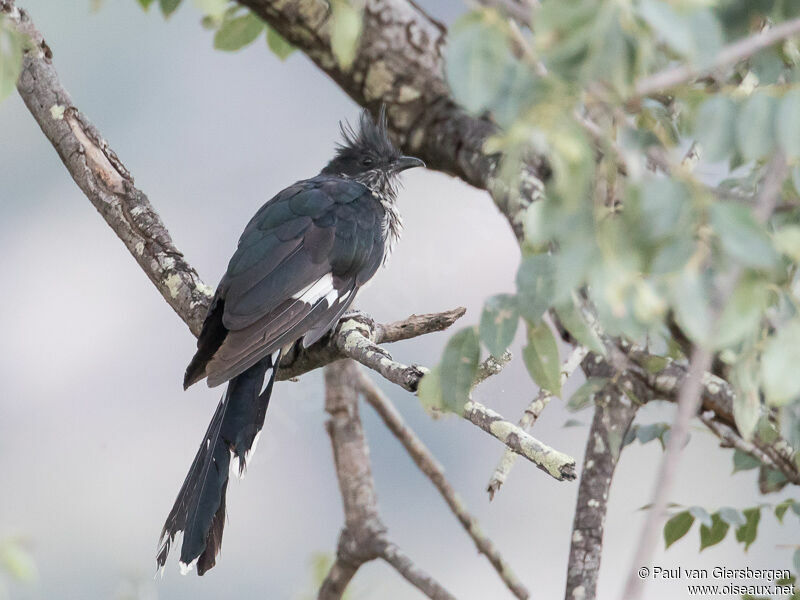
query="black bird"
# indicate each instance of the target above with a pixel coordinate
(299, 264)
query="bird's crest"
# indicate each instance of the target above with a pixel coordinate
(370, 136)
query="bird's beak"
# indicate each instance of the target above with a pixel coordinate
(407, 162)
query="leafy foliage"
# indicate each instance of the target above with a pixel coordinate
(628, 226)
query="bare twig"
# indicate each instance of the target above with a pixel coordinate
(613, 415)
(363, 537)
(691, 391)
(732, 438)
(529, 418)
(729, 55)
(423, 458)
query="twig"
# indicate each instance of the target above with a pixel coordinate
(691, 391)
(613, 415)
(734, 440)
(364, 536)
(730, 54)
(529, 418)
(432, 469)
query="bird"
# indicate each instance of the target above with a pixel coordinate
(298, 266)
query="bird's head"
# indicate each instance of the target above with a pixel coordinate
(368, 156)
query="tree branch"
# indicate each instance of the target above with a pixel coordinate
(399, 64)
(529, 418)
(613, 415)
(363, 537)
(729, 55)
(690, 395)
(432, 469)
(103, 178)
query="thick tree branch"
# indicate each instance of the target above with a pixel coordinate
(423, 458)
(399, 64)
(613, 415)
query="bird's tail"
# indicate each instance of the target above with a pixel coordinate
(199, 509)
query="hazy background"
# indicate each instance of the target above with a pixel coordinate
(96, 435)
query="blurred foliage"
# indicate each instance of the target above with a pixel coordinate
(16, 564)
(630, 217)
(320, 564)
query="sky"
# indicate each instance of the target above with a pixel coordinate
(96, 434)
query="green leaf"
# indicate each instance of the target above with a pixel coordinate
(212, 8)
(677, 527)
(669, 24)
(145, 4)
(346, 25)
(10, 59)
(499, 323)
(755, 126)
(572, 320)
(584, 395)
(169, 6)
(709, 536)
(690, 297)
(787, 241)
(541, 358)
(747, 401)
(700, 513)
(779, 364)
(744, 462)
(573, 423)
(653, 431)
(458, 368)
(278, 44)
(788, 123)
(238, 32)
(780, 509)
(665, 205)
(741, 236)
(732, 516)
(747, 532)
(535, 281)
(741, 316)
(476, 56)
(714, 127)
(429, 391)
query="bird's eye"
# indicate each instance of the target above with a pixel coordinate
(366, 161)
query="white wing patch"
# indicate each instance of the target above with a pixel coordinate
(322, 289)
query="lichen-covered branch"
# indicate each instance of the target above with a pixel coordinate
(551, 461)
(423, 458)
(613, 415)
(357, 336)
(529, 418)
(103, 178)
(364, 535)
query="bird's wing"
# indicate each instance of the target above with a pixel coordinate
(299, 264)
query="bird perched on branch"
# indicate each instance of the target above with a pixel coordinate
(299, 265)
